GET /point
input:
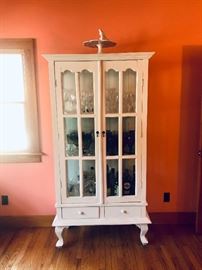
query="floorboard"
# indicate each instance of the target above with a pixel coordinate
(170, 247)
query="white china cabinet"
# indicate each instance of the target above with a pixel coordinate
(99, 110)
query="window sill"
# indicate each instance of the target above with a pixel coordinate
(20, 157)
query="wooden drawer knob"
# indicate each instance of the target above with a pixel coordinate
(123, 211)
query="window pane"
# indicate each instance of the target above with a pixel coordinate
(13, 133)
(19, 133)
(11, 78)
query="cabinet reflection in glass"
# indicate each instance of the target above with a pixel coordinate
(89, 178)
(128, 177)
(112, 136)
(71, 132)
(128, 135)
(112, 178)
(69, 92)
(73, 179)
(88, 137)
(86, 91)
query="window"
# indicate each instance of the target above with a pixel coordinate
(19, 134)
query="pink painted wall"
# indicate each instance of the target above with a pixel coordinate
(172, 29)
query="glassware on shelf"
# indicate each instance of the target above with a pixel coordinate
(87, 105)
(128, 102)
(112, 178)
(128, 146)
(73, 179)
(112, 136)
(129, 91)
(112, 143)
(69, 92)
(89, 178)
(88, 137)
(129, 142)
(111, 91)
(112, 100)
(71, 131)
(88, 144)
(69, 101)
(72, 144)
(128, 175)
(74, 187)
(86, 92)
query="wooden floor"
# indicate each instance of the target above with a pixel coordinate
(101, 248)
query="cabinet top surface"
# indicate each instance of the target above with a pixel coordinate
(97, 57)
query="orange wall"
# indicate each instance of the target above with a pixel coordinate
(173, 29)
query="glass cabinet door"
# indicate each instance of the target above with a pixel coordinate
(79, 122)
(120, 124)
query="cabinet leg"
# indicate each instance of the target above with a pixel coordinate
(58, 232)
(143, 230)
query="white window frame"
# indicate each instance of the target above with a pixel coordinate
(27, 48)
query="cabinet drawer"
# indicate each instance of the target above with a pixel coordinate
(122, 212)
(80, 212)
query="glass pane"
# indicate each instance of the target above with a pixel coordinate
(71, 135)
(69, 92)
(11, 78)
(88, 138)
(13, 132)
(112, 91)
(112, 136)
(86, 91)
(89, 181)
(73, 179)
(112, 178)
(128, 177)
(129, 91)
(128, 135)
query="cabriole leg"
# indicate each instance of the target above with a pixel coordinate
(143, 230)
(58, 232)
